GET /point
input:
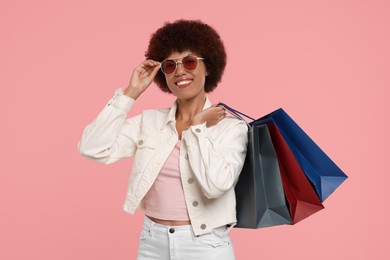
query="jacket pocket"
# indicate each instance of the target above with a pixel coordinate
(146, 148)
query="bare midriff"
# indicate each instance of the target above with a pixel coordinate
(170, 222)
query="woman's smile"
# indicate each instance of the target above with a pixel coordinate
(183, 83)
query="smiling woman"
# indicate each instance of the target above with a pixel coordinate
(187, 157)
(193, 36)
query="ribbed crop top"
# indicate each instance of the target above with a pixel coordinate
(165, 199)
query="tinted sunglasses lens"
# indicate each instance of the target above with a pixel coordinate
(190, 62)
(168, 66)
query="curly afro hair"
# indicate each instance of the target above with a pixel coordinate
(189, 35)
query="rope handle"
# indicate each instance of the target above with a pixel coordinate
(236, 113)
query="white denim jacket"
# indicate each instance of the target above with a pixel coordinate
(211, 158)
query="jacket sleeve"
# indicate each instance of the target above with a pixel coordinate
(217, 163)
(111, 136)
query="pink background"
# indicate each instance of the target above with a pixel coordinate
(325, 62)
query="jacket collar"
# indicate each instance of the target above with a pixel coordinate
(171, 117)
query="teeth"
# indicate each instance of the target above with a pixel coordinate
(183, 82)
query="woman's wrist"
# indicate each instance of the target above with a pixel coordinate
(196, 121)
(132, 92)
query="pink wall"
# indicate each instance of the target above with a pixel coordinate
(326, 62)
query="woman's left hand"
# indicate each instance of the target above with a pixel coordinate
(212, 116)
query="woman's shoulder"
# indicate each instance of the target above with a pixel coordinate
(155, 118)
(156, 111)
(234, 121)
(230, 124)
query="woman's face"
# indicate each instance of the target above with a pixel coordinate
(187, 84)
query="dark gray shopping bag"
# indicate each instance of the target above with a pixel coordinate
(259, 191)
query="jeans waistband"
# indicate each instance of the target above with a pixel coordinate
(150, 223)
(154, 227)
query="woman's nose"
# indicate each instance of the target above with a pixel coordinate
(180, 69)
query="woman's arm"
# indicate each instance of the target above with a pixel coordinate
(111, 136)
(217, 162)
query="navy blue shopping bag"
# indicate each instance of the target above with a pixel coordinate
(322, 172)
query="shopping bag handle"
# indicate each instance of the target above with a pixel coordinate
(236, 113)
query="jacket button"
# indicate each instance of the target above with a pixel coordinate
(140, 142)
(198, 130)
(186, 156)
(195, 203)
(203, 226)
(190, 180)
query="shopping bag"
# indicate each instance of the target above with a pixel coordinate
(293, 149)
(302, 198)
(259, 190)
(322, 172)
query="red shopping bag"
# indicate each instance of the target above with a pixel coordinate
(302, 198)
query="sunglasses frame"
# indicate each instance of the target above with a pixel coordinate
(180, 60)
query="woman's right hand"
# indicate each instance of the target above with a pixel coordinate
(142, 78)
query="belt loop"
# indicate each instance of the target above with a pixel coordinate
(151, 228)
(229, 227)
(150, 225)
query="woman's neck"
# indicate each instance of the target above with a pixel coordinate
(187, 109)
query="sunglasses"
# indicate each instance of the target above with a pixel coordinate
(190, 62)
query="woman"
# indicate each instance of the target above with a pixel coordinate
(187, 157)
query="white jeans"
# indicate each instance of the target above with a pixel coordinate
(179, 243)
